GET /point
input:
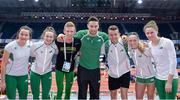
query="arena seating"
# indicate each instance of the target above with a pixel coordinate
(10, 28)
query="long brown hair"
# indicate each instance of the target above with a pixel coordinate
(25, 28)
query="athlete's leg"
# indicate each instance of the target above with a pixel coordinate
(46, 81)
(59, 83)
(150, 91)
(22, 86)
(140, 89)
(172, 95)
(11, 88)
(69, 82)
(35, 84)
(160, 86)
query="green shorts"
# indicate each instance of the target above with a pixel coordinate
(145, 80)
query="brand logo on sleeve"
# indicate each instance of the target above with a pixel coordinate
(121, 50)
(88, 38)
(140, 56)
(161, 47)
(50, 51)
(99, 40)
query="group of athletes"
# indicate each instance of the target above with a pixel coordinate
(83, 52)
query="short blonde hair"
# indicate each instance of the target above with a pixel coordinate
(69, 24)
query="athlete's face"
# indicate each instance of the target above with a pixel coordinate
(93, 27)
(69, 31)
(151, 33)
(114, 35)
(24, 35)
(48, 37)
(133, 41)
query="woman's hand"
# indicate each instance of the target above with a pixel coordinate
(5, 61)
(60, 37)
(2, 86)
(75, 70)
(168, 87)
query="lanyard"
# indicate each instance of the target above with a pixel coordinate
(65, 55)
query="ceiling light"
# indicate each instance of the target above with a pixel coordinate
(139, 1)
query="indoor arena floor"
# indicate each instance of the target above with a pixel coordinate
(104, 92)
